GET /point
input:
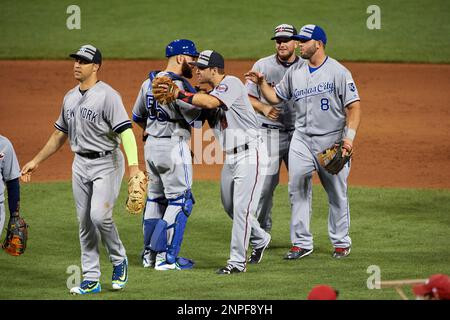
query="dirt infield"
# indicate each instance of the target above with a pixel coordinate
(403, 141)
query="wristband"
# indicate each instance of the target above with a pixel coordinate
(186, 96)
(351, 133)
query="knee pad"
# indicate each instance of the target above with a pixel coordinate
(158, 241)
(186, 201)
(155, 208)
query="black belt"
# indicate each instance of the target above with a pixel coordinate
(238, 149)
(271, 126)
(94, 155)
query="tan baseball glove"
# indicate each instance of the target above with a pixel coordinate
(331, 158)
(137, 193)
(164, 90)
(15, 242)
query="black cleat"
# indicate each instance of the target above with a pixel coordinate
(257, 254)
(229, 269)
(340, 253)
(297, 253)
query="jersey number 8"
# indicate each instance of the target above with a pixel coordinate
(324, 104)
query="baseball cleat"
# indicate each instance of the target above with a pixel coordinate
(148, 258)
(87, 287)
(120, 275)
(340, 253)
(181, 264)
(257, 254)
(297, 253)
(229, 269)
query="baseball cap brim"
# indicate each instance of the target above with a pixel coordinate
(77, 56)
(299, 37)
(197, 64)
(283, 37)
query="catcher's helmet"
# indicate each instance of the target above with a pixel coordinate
(181, 46)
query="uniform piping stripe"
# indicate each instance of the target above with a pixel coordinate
(186, 176)
(121, 124)
(250, 202)
(61, 128)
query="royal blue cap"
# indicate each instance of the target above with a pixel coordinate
(311, 31)
(181, 46)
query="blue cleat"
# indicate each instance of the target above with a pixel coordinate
(87, 287)
(120, 275)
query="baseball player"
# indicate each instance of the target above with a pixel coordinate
(95, 121)
(9, 175)
(327, 110)
(168, 161)
(236, 127)
(277, 122)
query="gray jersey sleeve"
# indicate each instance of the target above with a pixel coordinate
(140, 111)
(61, 123)
(284, 88)
(228, 92)
(115, 113)
(9, 166)
(347, 89)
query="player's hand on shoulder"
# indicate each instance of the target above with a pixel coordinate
(254, 76)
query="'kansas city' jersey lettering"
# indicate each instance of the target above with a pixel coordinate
(320, 98)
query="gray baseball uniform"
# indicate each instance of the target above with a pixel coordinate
(168, 162)
(245, 163)
(93, 120)
(276, 134)
(320, 98)
(9, 170)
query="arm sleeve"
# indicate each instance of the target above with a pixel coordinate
(130, 147)
(13, 188)
(283, 89)
(61, 122)
(228, 91)
(348, 91)
(140, 112)
(115, 113)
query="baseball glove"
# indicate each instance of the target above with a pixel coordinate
(16, 236)
(331, 158)
(137, 193)
(164, 90)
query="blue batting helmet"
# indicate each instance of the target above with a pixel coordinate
(181, 46)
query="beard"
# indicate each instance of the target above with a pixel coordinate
(285, 56)
(186, 70)
(308, 53)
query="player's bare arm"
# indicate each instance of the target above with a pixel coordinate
(353, 120)
(53, 144)
(267, 110)
(267, 90)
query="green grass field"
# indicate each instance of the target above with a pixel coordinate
(404, 232)
(410, 30)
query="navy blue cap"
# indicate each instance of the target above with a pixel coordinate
(88, 53)
(311, 31)
(209, 59)
(181, 46)
(284, 31)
